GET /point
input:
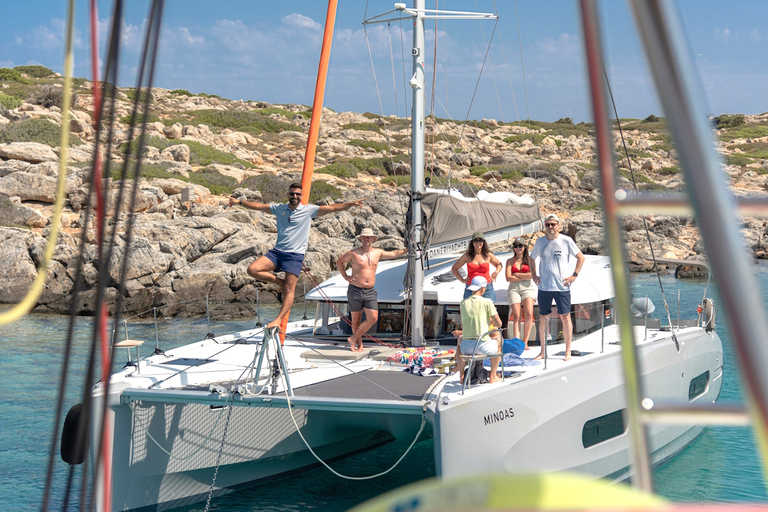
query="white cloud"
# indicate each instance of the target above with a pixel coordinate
(565, 44)
(755, 36)
(722, 34)
(301, 21)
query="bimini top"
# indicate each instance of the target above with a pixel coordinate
(594, 283)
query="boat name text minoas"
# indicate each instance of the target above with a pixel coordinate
(502, 415)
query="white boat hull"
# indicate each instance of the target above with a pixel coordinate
(537, 425)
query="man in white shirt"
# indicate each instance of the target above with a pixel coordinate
(551, 276)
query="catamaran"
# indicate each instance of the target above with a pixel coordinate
(221, 413)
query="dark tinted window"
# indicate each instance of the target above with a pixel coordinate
(603, 428)
(698, 385)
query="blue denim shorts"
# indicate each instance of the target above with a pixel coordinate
(290, 262)
(562, 299)
(490, 293)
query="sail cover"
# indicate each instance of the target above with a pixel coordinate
(450, 221)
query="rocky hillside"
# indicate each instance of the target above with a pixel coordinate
(183, 251)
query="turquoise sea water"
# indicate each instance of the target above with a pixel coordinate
(720, 466)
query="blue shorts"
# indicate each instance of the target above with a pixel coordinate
(290, 262)
(562, 299)
(490, 293)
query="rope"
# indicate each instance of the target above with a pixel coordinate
(30, 299)
(645, 222)
(522, 64)
(321, 461)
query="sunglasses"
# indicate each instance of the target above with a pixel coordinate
(517, 246)
(478, 239)
(294, 194)
(550, 224)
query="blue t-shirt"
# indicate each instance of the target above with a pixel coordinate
(293, 226)
(555, 261)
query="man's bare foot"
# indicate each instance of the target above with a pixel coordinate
(355, 346)
(567, 357)
(538, 357)
(494, 378)
(527, 347)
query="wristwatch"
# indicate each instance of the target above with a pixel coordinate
(575, 274)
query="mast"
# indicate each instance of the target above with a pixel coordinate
(417, 176)
(419, 15)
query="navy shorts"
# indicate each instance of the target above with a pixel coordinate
(562, 299)
(360, 298)
(290, 262)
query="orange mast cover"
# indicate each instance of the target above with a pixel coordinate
(317, 105)
(314, 124)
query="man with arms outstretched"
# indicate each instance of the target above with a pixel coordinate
(294, 221)
(554, 251)
(360, 294)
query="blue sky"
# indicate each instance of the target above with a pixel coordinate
(269, 51)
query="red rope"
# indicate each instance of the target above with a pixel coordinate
(338, 312)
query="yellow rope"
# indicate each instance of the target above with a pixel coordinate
(30, 300)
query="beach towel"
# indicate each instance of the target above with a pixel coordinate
(419, 356)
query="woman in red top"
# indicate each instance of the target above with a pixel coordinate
(478, 260)
(521, 289)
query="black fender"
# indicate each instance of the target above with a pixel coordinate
(73, 450)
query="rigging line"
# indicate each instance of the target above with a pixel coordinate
(321, 461)
(151, 43)
(68, 60)
(509, 76)
(392, 63)
(81, 434)
(522, 64)
(431, 136)
(479, 76)
(30, 299)
(490, 66)
(381, 110)
(634, 184)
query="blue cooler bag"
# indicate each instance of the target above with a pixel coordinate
(513, 346)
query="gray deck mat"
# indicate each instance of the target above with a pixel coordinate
(373, 385)
(366, 385)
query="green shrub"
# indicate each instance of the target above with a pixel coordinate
(321, 190)
(399, 180)
(250, 122)
(370, 127)
(9, 102)
(729, 121)
(207, 155)
(11, 75)
(132, 93)
(268, 111)
(34, 130)
(214, 181)
(340, 169)
(589, 205)
(131, 148)
(564, 120)
(738, 159)
(668, 170)
(181, 92)
(757, 150)
(750, 131)
(49, 95)
(34, 71)
(650, 119)
(536, 138)
(148, 171)
(376, 146)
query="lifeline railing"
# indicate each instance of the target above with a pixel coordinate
(682, 98)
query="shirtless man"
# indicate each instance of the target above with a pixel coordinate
(294, 221)
(361, 294)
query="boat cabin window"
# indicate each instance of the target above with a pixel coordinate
(391, 318)
(452, 319)
(698, 386)
(591, 317)
(603, 428)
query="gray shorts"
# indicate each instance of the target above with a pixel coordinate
(360, 298)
